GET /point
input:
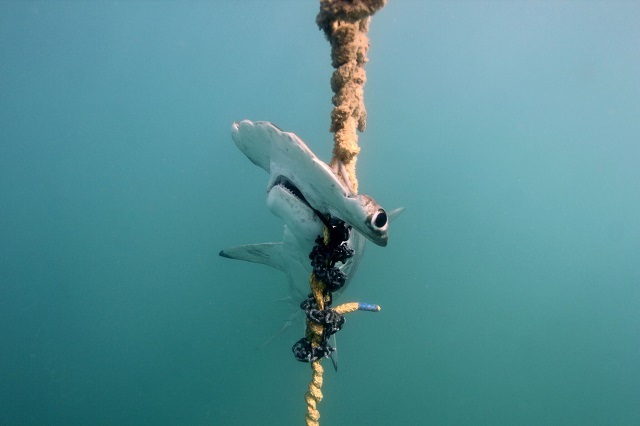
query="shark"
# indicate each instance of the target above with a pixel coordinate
(303, 191)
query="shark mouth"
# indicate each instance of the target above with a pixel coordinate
(285, 183)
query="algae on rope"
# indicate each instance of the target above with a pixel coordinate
(345, 24)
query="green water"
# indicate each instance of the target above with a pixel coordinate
(510, 289)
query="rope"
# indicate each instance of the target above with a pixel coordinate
(345, 24)
(322, 319)
(314, 334)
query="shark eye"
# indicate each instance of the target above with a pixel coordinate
(379, 219)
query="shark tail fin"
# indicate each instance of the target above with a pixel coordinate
(334, 354)
(269, 254)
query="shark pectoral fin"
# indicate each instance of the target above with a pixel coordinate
(296, 316)
(266, 253)
(393, 214)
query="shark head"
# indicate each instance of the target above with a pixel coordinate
(369, 218)
(309, 185)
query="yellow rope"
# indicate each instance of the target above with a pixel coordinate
(314, 335)
(345, 24)
(346, 308)
(314, 395)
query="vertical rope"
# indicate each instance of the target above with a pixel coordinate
(345, 24)
(314, 334)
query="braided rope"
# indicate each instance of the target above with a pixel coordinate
(345, 24)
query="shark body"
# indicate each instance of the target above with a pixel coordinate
(302, 190)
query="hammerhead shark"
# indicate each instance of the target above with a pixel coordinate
(302, 191)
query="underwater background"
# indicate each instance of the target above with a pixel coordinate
(510, 288)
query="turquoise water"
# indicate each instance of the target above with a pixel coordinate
(510, 289)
